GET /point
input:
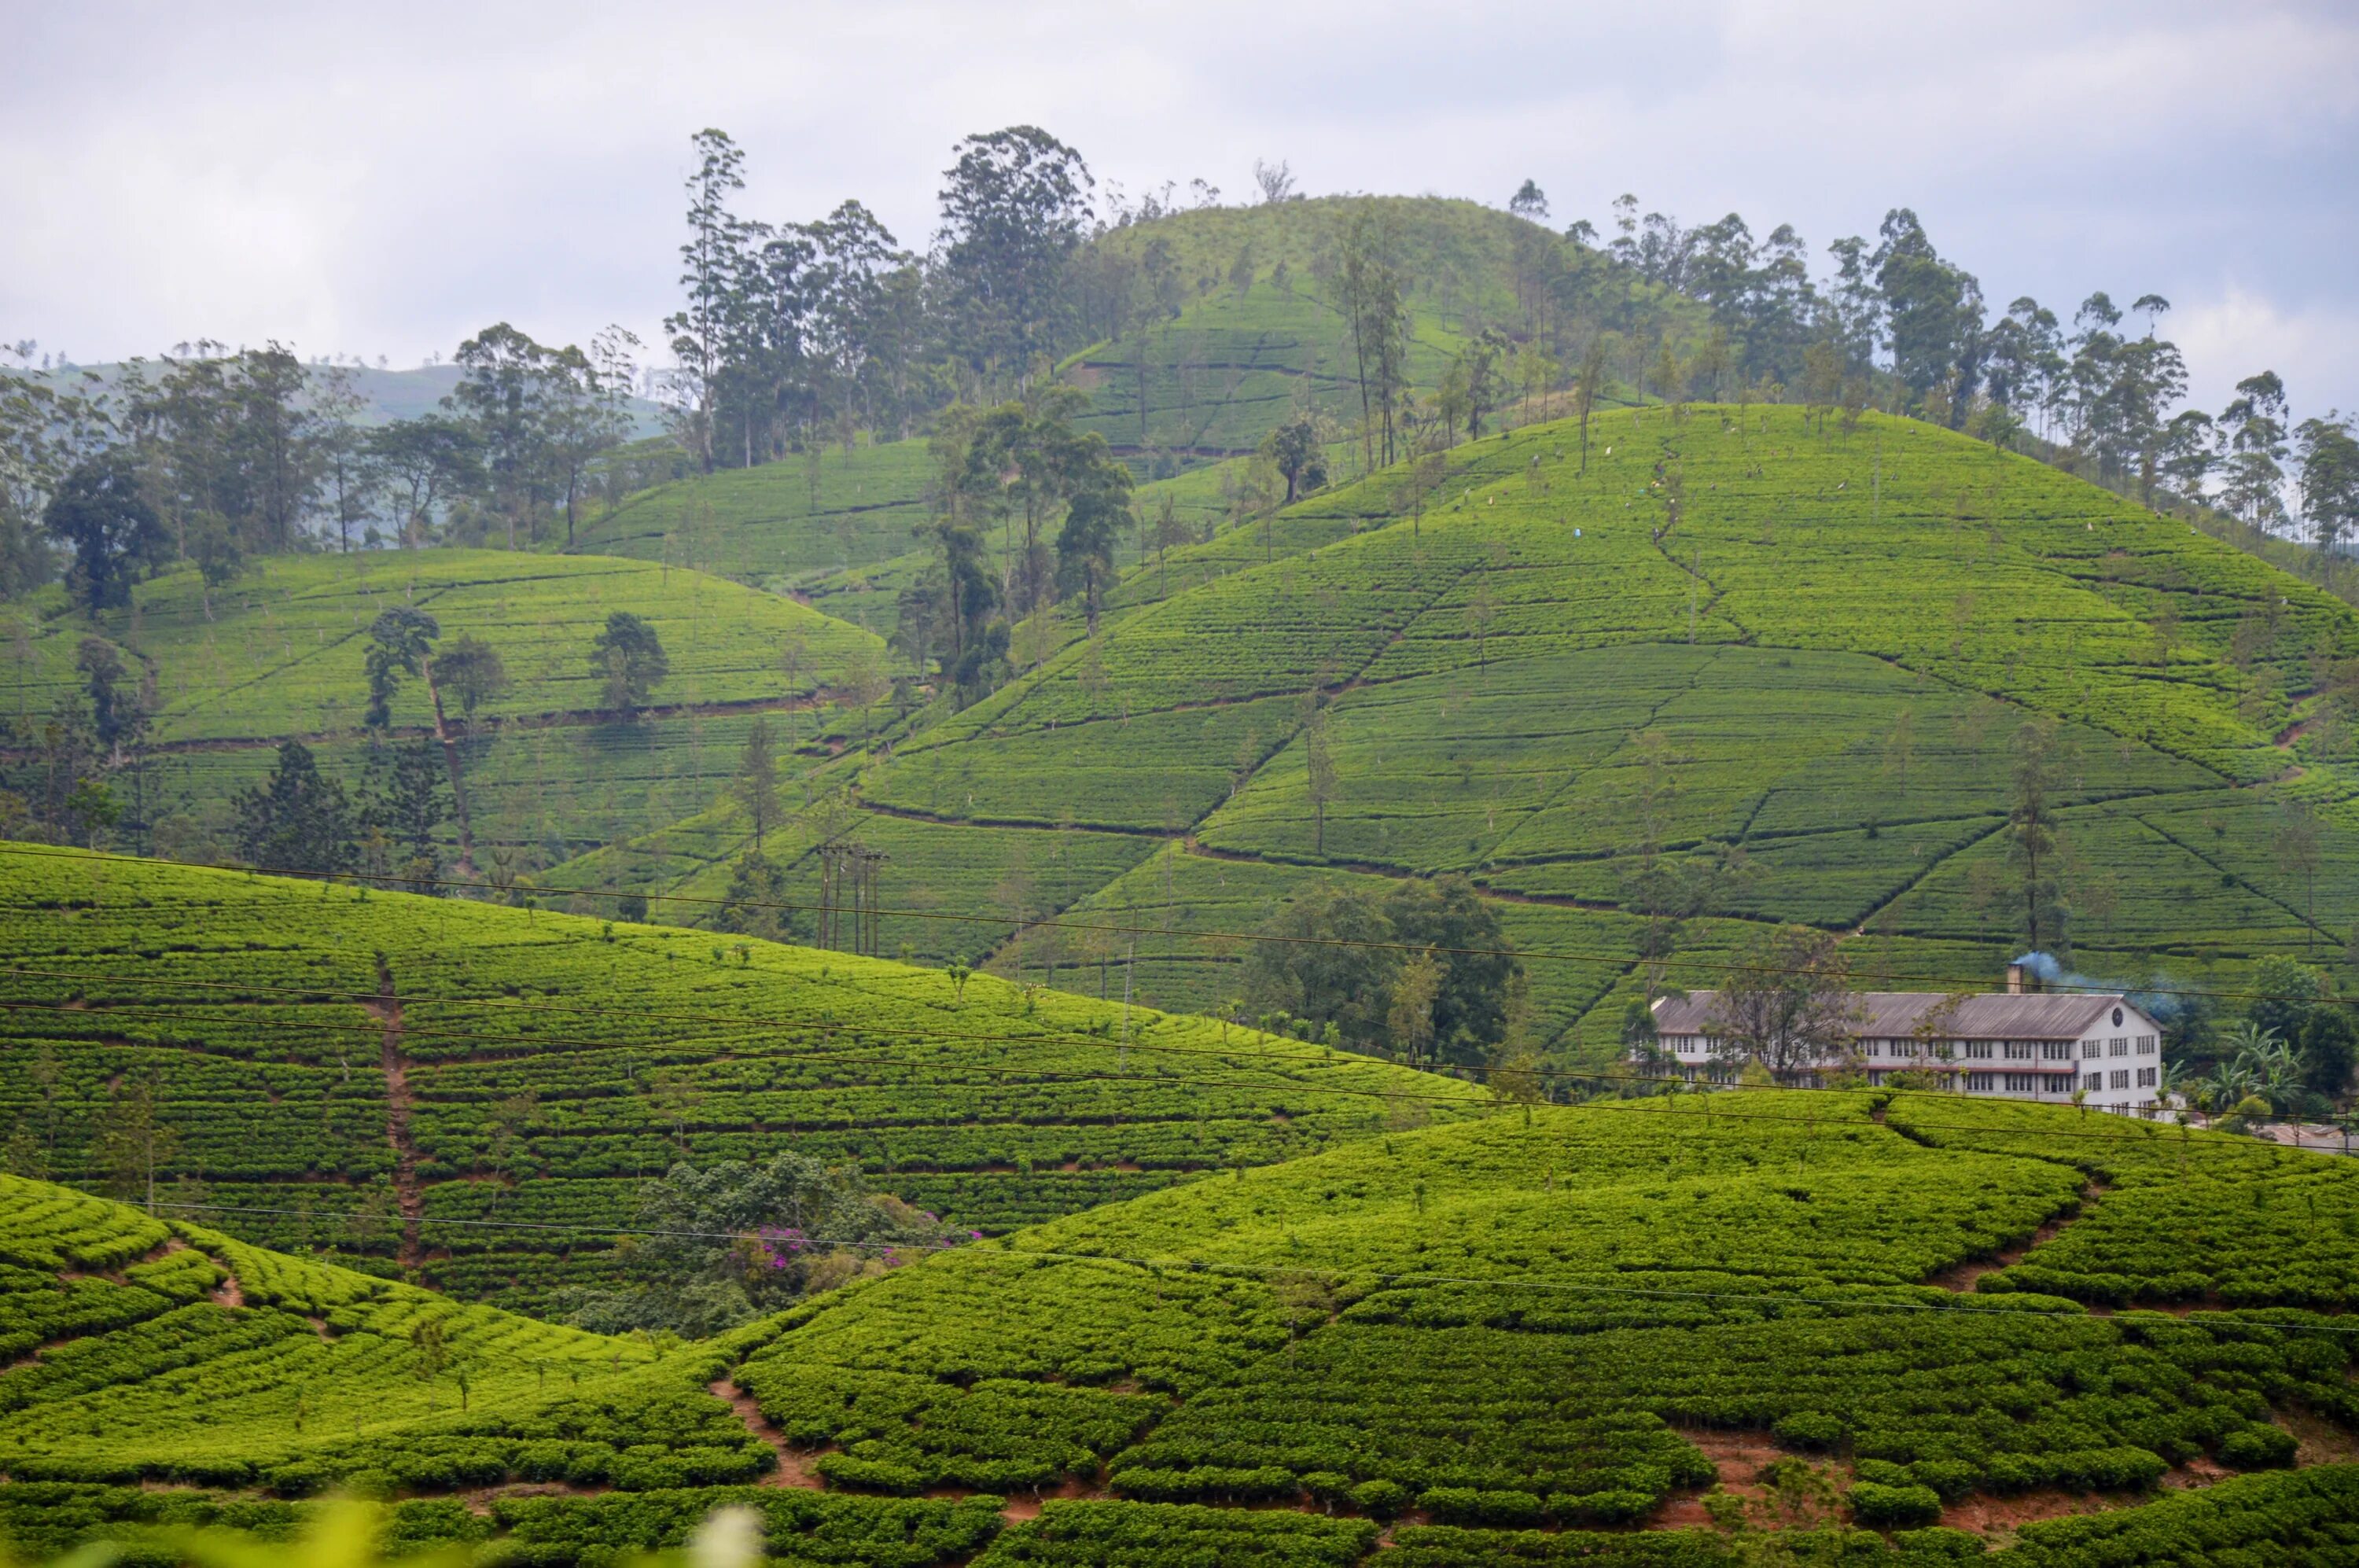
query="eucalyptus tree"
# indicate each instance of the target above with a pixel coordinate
(1015, 207)
(2252, 428)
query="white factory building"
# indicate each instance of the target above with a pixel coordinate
(2016, 1044)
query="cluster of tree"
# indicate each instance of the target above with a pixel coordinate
(84, 769)
(1031, 512)
(791, 335)
(210, 457)
(302, 821)
(731, 1242)
(1421, 975)
(2292, 1053)
(1895, 323)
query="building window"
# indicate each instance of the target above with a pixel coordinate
(2145, 1045)
(2018, 1050)
(1978, 1051)
(2146, 1077)
(2117, 1047)
(2094, 1081)
(2022, 1084)
(1874, 1078)
(2121, 1078)
(2093, 1048)
(2056, 1052)
(1981, 1083)
(1904, 1048)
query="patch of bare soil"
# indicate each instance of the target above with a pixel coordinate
(2320, 1441)
(794, 1465)
(1998, 1517)
(1739, 1456)
(1026, 1505)
(1961, 1278)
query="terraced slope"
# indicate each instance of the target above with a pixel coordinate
(1542, 1336)
(1235, 333)
(279, 654)
(373, 1074)
(1788, 663)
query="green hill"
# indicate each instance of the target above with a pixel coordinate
(380, 1074)
(279, 654)
(1785, 663)
(1235, 330)
(1621, 1334)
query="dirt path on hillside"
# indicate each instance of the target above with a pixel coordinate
(1961, 1278)
(386, 1009)
(794, 1466)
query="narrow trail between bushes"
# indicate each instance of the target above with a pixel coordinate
(794, 1468)
(386, 1009)
(1961, 1278)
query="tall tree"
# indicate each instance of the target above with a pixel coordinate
(100, 514)
(1014, 205)
(713, 269)
(756, 784)
(1319, 772)
(2330, 483)
(297, 820)
(2253, 474)
(1934, 313)
(400, 641)
(423, 463)
(1787, 1004)
(2033, 819)
(629, 659)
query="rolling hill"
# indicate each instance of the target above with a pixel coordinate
(1787, 660)
(1237, 332)
(278, 654)
(1641, 1333)
(473, 1095)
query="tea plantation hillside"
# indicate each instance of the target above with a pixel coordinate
(1786, 664)
(473, 1095)
(141, 1347)
(281, 652)
(1236, 334)
(1640, 1334)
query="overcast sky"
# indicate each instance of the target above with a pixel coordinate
(387, 179)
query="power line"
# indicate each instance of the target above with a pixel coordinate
(1618, 961)
(1004, 1247)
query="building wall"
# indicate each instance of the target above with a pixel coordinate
(2117, 1065)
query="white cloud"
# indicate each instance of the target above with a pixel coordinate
(385, 180)
(2237, 332)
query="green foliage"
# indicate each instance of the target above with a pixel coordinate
(553, 1063)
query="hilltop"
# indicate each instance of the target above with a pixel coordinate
(1617, 1334)
(1733, 665)
(375, 1075)
(1236, 332)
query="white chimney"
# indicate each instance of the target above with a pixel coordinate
(2015, 979)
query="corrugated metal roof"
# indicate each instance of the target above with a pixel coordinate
(1894, 1015)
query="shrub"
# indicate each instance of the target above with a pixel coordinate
(2258, 1447)
(1894, 1508)
(1467, 1505)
